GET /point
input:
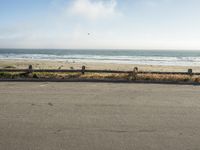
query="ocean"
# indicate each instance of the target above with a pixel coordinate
(140, 57)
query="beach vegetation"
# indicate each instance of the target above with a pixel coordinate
(110, 76)
(164, 77)
(8, 75)
(9, 67)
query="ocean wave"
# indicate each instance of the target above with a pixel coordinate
(143, 60)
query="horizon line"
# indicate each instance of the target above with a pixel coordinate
(101, 49)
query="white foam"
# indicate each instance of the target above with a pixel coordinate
(142, 60)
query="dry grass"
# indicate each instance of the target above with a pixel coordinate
(164, 77)
(46, 75)
(141, 77)
(104, 76)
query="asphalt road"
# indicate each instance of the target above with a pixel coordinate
(99, 116)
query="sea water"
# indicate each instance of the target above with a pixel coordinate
(140, 57)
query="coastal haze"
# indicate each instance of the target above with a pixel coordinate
(100, 24)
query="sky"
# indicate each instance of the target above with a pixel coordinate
(100, 24)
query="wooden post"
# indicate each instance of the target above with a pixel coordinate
(30, 68)
(190, 72)
(134, 74)
(83, 69)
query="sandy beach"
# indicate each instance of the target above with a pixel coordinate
(47, 64)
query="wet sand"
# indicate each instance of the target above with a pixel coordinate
(98, 116)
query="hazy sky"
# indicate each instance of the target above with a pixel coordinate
(108, 24)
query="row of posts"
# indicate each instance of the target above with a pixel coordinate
(134, 73)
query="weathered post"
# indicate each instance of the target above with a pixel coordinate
(30, 69)
(83, 70)
(134, 74)
(190, 72)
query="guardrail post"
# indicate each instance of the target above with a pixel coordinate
(134, 74)
(83, 70)
(190, 72)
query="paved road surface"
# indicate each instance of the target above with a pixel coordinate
(99, 116)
